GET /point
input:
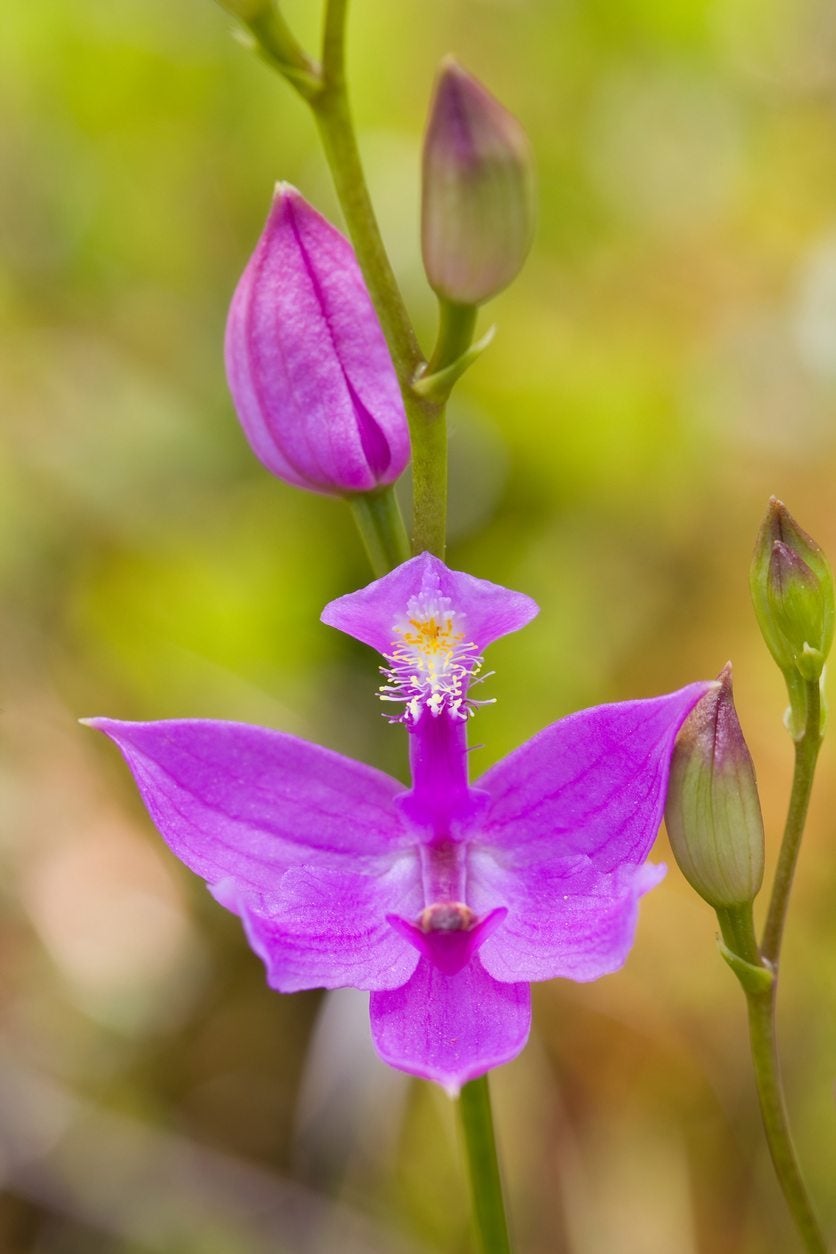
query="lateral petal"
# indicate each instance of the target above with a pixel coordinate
(565, 918)
(330, 930)
(593, 784)
(240, 805)
(450, 1028)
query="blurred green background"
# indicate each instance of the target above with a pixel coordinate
(665, 362)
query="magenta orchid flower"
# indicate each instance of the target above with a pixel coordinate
(447, 899)
(307, 364)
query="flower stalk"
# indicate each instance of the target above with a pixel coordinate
(756, 967)
(476, 1122)
(806, 755)
(332, 114)
(456, 324)
(427, 424)
(378, 519)
(758, 979)
(271, 37)
(761, 1004)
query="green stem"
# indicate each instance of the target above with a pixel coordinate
(737, 926)
(774, 1113)
(379, 521)
(426, 417)
(332, 113)
(806, 754)
(485, 1183)
(456, 324)
(278, 46)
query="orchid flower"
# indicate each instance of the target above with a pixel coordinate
(444, 900)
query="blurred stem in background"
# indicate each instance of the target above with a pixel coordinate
(425, 387)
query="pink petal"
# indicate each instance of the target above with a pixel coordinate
(565, 918)
(308, 367)
(330, 930)
(450, 1028)
(592, 784)
(240, 805)
(490, 611)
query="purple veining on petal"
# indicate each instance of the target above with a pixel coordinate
(331, 930)
(593, 783)
(564, 918)
(244, 803)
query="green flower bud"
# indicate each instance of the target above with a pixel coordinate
(797, 609)
(477, 212)
(792, 591)
(713, 812)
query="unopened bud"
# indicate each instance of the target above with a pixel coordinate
(796, 604)
(477, 218)
(792, 591)
(307, 364)
(713, 812)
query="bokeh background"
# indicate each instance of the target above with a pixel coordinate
(665, 362)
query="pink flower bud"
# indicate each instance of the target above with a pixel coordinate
(477, 201)
(306, 361)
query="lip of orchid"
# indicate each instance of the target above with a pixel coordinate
(432, 663)
(446, 900)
